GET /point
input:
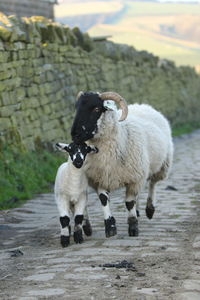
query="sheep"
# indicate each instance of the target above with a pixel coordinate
(71, 192)
(131, 153)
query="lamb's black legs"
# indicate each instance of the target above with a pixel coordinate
(78, 234)
(65, 231)
(79, 209)
(109, 220)
(81, 220)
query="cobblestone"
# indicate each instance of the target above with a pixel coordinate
(166, 252)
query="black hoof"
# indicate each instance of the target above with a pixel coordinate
(150, 211)
(78, 236)
(64, 240)
(138, 213)
(133, 227)
(110, 228)
(87, 228)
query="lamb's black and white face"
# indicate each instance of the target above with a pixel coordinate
(77, 152)
(89, 108)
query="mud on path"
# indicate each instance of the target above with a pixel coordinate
(164, 260)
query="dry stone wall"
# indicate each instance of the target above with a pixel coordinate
(43, 65)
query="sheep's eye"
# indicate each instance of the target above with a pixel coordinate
(97, 109)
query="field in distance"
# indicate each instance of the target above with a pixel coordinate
(169, 30)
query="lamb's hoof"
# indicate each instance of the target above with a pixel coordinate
(150, 211)
(138, 213)
(87, 228)
(64, 240)
(110, 228)
(133, 227)
(78, 236)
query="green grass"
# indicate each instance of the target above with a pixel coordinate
(25, 173)
(187, 128)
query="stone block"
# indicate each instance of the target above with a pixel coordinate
(33, 102)
(8, 110)
(32, 114)
(4, 56)
(2, 86)
(5, 32)
(5, 123)
(6, 98)
(47, 110)
(50, 125)
(33, 90)
(1, 45)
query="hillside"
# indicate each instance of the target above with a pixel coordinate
(170, 30)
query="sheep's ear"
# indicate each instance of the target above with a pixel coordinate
(109, 105)
(79, 95)
(62, 147)
(92, 149)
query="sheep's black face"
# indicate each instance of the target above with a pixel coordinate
(77, 152)
(89, 108)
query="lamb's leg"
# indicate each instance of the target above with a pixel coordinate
(79, 209)
(87, 228)
(64, 211)
(109, 220)
(131, 204)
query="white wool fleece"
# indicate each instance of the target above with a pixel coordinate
(130, 151)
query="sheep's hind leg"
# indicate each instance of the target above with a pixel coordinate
(150, 208)
(109, 220)
(133, 214)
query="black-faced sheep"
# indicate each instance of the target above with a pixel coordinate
(130, 152)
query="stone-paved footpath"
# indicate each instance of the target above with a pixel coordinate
(166, 255)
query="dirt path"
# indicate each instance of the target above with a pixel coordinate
(165, 257)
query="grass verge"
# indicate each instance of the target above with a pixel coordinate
(24, 173)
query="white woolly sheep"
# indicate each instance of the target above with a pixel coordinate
(71, 192)
(130, 152)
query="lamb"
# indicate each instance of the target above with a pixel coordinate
(131, 152)
(71, 192)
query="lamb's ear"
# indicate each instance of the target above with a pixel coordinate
(92, 149)
(62, 147)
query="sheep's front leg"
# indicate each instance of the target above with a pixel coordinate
(64, 211)
(109, 220)
(79, 209)
(131, 205)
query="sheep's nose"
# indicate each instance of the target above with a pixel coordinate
(77, 164)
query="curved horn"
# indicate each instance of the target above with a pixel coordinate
(118, 99)
(79, 94)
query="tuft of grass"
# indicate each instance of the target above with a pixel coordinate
(24, 173)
